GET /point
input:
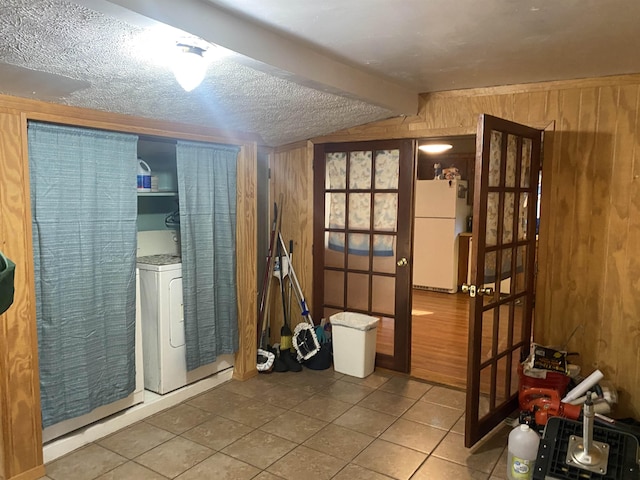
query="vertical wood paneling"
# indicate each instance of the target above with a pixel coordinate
(246, 237)
(621, 309)
(548, 238)
(604, 288)
(536, 108)
(497, 105)
(457, 112)
(552, 105)
(585, 256)
(627, 362)
(5, 432)
(542, 110)
(21, 438)
(590, 241)
(292, 176)
(562, 221)
(522, 108)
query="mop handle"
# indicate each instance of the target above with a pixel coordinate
(300, 301)
(296, 284)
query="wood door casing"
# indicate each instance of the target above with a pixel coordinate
(20, 412)
(503, 259)
(382, 273)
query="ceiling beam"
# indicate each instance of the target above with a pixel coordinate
(274, 53)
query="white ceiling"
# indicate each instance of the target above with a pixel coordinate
(297, 69)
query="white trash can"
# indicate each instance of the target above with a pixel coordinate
(354, 343)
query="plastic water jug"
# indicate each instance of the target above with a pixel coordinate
(144, 176)
(522, 453)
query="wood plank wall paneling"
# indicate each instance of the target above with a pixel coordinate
(20, 429)
(624, 310)
(601, 239)
(246, 247)
(292, 175)
(590, 230)
(590, 211)
(5, 437)
(21, 436)
(562, 213)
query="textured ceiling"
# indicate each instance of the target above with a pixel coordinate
(80, 57)
(304, 69)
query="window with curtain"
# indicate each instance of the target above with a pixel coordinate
(83, 200)
(207, 190)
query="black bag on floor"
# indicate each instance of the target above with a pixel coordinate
(321, 360)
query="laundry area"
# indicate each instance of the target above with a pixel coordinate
(159, 272)
(115, 348)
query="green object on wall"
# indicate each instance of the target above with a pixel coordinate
(7, 271)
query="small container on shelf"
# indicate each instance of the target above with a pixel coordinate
(144, 176)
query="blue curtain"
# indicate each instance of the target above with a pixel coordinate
(207, 189)
(83, 200)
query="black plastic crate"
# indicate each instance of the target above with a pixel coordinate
(552, 453)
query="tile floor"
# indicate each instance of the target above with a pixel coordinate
(297, 426)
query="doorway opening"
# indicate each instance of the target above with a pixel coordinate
(442, 233)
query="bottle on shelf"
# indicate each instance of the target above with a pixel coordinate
(144, 176)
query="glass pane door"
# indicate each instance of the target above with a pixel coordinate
(503, 259)
(359, 239)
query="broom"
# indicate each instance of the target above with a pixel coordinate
(266, 358)
(285, 331)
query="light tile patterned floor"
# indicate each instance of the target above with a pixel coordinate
(308, 425)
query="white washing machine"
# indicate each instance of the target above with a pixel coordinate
(162, 319)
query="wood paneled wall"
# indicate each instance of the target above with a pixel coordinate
(246, 267)
(589, 249)
(21, 436)
(20, 424)
(292, 176)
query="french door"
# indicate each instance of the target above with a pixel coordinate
(503, 254)
(362, 239)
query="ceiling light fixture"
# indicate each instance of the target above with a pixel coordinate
(436, 147)
(189, 66)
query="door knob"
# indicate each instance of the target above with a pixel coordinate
(469, 289)
(472, 290)
(402, 262)
(485, 291)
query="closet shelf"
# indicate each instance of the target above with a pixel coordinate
(157, 194)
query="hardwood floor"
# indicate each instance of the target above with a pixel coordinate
(439, 337)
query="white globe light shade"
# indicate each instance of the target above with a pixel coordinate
(189, 68)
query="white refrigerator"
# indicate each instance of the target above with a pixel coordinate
(441, 213)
